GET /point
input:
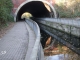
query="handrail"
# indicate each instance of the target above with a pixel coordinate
(70, 26)
(66, 31)
(71, 22)
(37, 45)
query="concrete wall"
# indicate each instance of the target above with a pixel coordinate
(37, 51)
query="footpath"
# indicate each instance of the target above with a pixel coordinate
(14, 44)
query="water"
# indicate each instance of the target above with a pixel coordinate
(57, 57)
(60, 52)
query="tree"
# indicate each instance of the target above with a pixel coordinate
(5, 11)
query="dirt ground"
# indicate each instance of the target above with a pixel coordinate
(4, 30)
(61, 49)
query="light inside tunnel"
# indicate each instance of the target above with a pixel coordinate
(26, 15)
(36, 8)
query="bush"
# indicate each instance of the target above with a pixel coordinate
(69, 8)
(5, 11)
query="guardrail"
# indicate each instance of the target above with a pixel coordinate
(65, 25)
(65, 31)
(37, 52)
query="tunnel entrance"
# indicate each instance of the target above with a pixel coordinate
(36, 8)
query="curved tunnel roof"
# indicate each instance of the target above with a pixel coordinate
(36, 8)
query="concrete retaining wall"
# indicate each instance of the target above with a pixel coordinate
(37, 52)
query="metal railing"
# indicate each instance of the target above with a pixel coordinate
(65, 31)
(37, 52)
(66, 25)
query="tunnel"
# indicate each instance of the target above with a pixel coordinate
(38, 9)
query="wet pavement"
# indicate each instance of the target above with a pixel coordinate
(14, 44)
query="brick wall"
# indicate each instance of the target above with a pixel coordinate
(16, 4)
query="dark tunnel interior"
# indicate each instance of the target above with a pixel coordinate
(36, 8)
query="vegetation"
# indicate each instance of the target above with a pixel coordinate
(5, 12)
(68, 8)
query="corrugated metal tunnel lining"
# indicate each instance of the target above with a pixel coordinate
(36, 8)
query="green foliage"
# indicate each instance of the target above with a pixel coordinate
(5, 11)
(69, 9)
